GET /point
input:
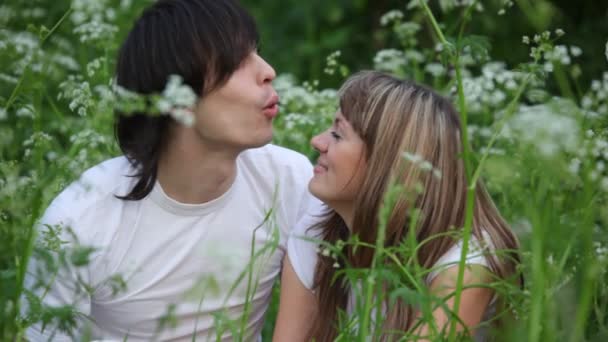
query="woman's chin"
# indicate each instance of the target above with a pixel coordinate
(316, 189)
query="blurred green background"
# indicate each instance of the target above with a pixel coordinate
(298, 35)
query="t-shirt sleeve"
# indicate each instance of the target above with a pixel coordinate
(475, 256)
(301, 247)
(65, 288)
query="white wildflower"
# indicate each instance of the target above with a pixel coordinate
(26, 111)
(94, 65)
(65, 61)
(574, 166)
(414, 55)
(183, 116)
(178, 93)
(391, 16)
(163, 105)
(390, 60)
(575, 51)
(586, 102)
(435, 69)
(95, 31)
(548, 127)
(414, 158)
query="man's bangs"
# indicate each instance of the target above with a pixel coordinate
(237, 37)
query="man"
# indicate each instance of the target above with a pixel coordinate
(195, 219)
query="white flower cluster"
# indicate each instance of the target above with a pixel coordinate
(24, 42)
(550, 127)
(95, 31)
(6, 13)
(406, 32)
(304, 98)
(595, 101)
(94, 20)
(91, 139)
(178, 100)
(560, 54)
(33, 13)
(30, 55)
(390, 60)
(66, 62)
(37, 139)
(90, 10)
(601, 251)
(506, 4)
(332, 62)
(421, 164)
(489, 91)
(27, 46)
(26, 111)
(304, 110)
(78, 92)
(94, 66)
(392, 16)
(435, 69)
(593, 152)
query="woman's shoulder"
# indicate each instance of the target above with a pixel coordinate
(477, 253)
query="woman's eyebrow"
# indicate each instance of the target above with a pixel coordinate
(339, 123)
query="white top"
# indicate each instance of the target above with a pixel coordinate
(303, 254)
(172, 253)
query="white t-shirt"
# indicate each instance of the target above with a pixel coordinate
(303, 254)
(178, 254)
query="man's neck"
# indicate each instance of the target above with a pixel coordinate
(192, 172)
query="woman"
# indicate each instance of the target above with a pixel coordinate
(389, 132)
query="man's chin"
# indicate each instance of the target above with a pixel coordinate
(257, 143)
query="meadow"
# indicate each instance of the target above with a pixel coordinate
(537, 131)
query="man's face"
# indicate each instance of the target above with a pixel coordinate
(239, 114)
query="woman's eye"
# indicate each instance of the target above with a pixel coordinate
(335, 135)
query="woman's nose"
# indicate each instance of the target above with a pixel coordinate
(319, 143)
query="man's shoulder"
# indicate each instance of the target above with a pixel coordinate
(101, 180)
(277, 156)
(92, 194)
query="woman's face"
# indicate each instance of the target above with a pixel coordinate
(338, 174)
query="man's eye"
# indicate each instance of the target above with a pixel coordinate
(335, 135)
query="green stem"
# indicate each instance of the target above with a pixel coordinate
(431, 17)
(562, 81)
(508, 113)
(589, 272)
(538, 276)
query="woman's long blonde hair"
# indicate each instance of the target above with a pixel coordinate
(394, 116)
